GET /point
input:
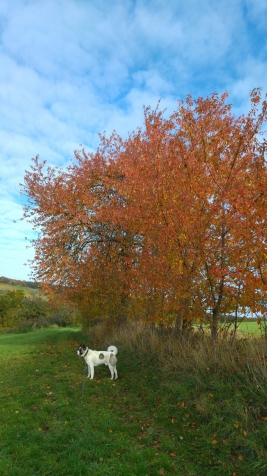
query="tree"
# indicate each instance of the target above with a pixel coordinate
(167, 225)
(9, 303)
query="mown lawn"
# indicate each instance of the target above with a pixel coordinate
(54, 422)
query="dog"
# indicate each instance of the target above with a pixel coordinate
(93, 358)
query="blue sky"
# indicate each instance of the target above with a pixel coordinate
(70, 69)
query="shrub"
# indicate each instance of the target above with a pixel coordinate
(31, 313)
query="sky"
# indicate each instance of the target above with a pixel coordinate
(71, 69)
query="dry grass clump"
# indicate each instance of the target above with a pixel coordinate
(194, 354)
(199, 356)
(135, 337)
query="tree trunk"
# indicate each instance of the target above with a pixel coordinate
(214, 326)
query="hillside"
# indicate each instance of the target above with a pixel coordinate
(6, 284)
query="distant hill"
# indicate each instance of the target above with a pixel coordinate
(7, 284)
(18, 282)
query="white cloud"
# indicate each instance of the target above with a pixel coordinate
(72, 68)
(15, 250)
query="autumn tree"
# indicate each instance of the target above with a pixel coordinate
(168, 225)
(198, 198)
(79, 252)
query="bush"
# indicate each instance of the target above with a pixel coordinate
(10, 304)
(34, 313)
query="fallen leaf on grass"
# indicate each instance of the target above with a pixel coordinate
(172, 455)
(181, 404)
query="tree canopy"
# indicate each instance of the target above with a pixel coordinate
(166, 225)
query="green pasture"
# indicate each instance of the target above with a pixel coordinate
(5, 287)
(56, 422)
(251, 327)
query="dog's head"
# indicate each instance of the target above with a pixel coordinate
(82, 350)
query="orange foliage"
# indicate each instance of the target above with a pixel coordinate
(167, 224)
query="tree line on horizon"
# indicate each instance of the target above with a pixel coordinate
(19, 282)
(168, 226)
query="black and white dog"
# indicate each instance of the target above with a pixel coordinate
(98, 357)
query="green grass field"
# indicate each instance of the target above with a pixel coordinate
(5, 287)
(143, 424)
(250, 327)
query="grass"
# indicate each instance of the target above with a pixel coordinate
(5, 287)
(250, 327)
(159, 417)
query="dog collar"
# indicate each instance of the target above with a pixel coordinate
(84, 355)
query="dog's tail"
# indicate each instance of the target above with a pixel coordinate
(113, 349)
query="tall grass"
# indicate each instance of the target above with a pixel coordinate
(226, 383)
(192, 355)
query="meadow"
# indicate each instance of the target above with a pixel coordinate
(5, 287)
(176, 409)
(250, 327)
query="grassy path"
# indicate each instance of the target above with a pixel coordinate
(141, 425)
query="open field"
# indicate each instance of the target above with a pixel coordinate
(5, 287)
(146, 423)
(250, 327)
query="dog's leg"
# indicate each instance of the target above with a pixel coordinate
(92, 372)
(115, 371)
(89, 372)
(111, 368)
